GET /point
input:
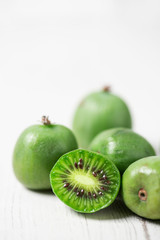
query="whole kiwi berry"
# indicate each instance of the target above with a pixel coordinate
(122, 146)
(141, 187)
(85, 181)
(37, 150)
(97, 112)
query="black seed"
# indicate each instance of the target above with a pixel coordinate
(76, 165)
(78, 193)
(108, 182)
(100, 193)
(75, 189)
(69, 188)
(94, 195)
(64, 181)
(94, 174)
(82, 191)
(93, 169)
(104, 177)
(98, 171)
(80, 165)
(66, 185)
(85, 196)
(102, 188)
(101, 179)
(89, 194)
(81, 160)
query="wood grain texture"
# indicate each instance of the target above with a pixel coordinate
(26, 214)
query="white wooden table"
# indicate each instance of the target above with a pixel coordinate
(31, 215)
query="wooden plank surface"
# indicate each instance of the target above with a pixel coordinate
(26, 214)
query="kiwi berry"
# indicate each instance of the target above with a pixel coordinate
(36, 151)
(85, 181)
(141, 187)
(122, 146)
(97, 112)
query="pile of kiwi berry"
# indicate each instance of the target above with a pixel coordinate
(111, 159)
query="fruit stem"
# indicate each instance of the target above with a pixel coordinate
(106, 89)
(45, 120)
(142, 194)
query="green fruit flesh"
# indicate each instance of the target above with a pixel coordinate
(97, 112)
(85, 181)
(122, 146)
(141, 187)
(37, 150)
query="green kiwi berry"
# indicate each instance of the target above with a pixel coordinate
(85, 181)
(97, 112)
(122, 146)
(37, 150)
(141, 187)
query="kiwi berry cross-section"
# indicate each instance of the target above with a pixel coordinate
(85, 181)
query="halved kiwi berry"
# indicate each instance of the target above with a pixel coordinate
(85, 181)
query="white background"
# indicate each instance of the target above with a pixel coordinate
(52, 53)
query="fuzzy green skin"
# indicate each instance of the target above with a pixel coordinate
(97, 112)
(84, 154)
(122, 146)
(144, 173)
(37, 150)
